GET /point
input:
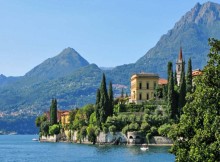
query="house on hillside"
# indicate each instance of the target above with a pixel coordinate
(143, 87)
(62, 116)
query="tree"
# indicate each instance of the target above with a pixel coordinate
(197, 136)
(172, 109)
(111, 100)
(182, 92)
(122, 93)
(53, 112)
(40, 119)
(91, 134)
(45, 127)
(189, 77)
(72, 115)
(175, 79)
(54, 129)
(97, 108)
(104, 100)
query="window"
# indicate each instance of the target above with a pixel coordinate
(147, 85)
(140, 96)
(134, 95)
(179, 68)
(155, 85)
(147, 96)
(140, 85)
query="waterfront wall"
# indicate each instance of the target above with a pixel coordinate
(50, 138)
(107, 138)
(160, 140)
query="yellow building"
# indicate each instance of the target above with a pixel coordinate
(143, 87)
(65, 118)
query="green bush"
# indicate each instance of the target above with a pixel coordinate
(163, 130)
(125, 129)
(54, 129)
(45, 127)
(112, 129)
(91, 134)
(133, 127)
(145, 126)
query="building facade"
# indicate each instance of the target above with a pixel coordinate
(143, 87)
(65, 118)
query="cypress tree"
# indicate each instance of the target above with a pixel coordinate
(53, 112)
(111, 100)
(170, 96)
(97, 108)
(164, 92)
(169, 69)
(182, 92)
(189, 77)
(122, 93)
(175, 79)
(104, 101)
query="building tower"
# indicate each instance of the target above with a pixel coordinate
(179, 66)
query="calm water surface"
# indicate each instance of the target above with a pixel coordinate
(17, 148)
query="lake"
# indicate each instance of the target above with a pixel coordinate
(21, 148)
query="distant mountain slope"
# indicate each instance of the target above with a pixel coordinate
(191, 32)
(63, 64)
(71, 91)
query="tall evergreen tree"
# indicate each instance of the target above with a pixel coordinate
(175, 79)
(189, 77)
(172, 110)
(169, 69)
(182, 92)
(122, 93)
(111, 100)
(97, 108)
(104, 100)
(53, 112)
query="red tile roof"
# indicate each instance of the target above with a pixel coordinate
(196, 72)
(162, 81)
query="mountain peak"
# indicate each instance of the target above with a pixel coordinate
(205, 14)
(63, 64)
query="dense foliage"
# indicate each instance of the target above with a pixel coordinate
(197, 136)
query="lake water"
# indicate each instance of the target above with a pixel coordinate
(21, 148)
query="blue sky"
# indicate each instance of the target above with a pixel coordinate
(108, 33)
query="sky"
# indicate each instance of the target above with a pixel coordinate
(107, 33)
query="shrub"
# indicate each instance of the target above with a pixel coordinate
(112, 129)
(45, 127)
(54, 129)
(163, 130)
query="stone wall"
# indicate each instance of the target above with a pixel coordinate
(50, 138)
(160, 140)
(117, 137)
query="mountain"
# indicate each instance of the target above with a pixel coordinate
(63, 64)
(73, 81)
(191, 33)
(24, 102)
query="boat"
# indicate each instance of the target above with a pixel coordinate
(144, 147)
(34, 139)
